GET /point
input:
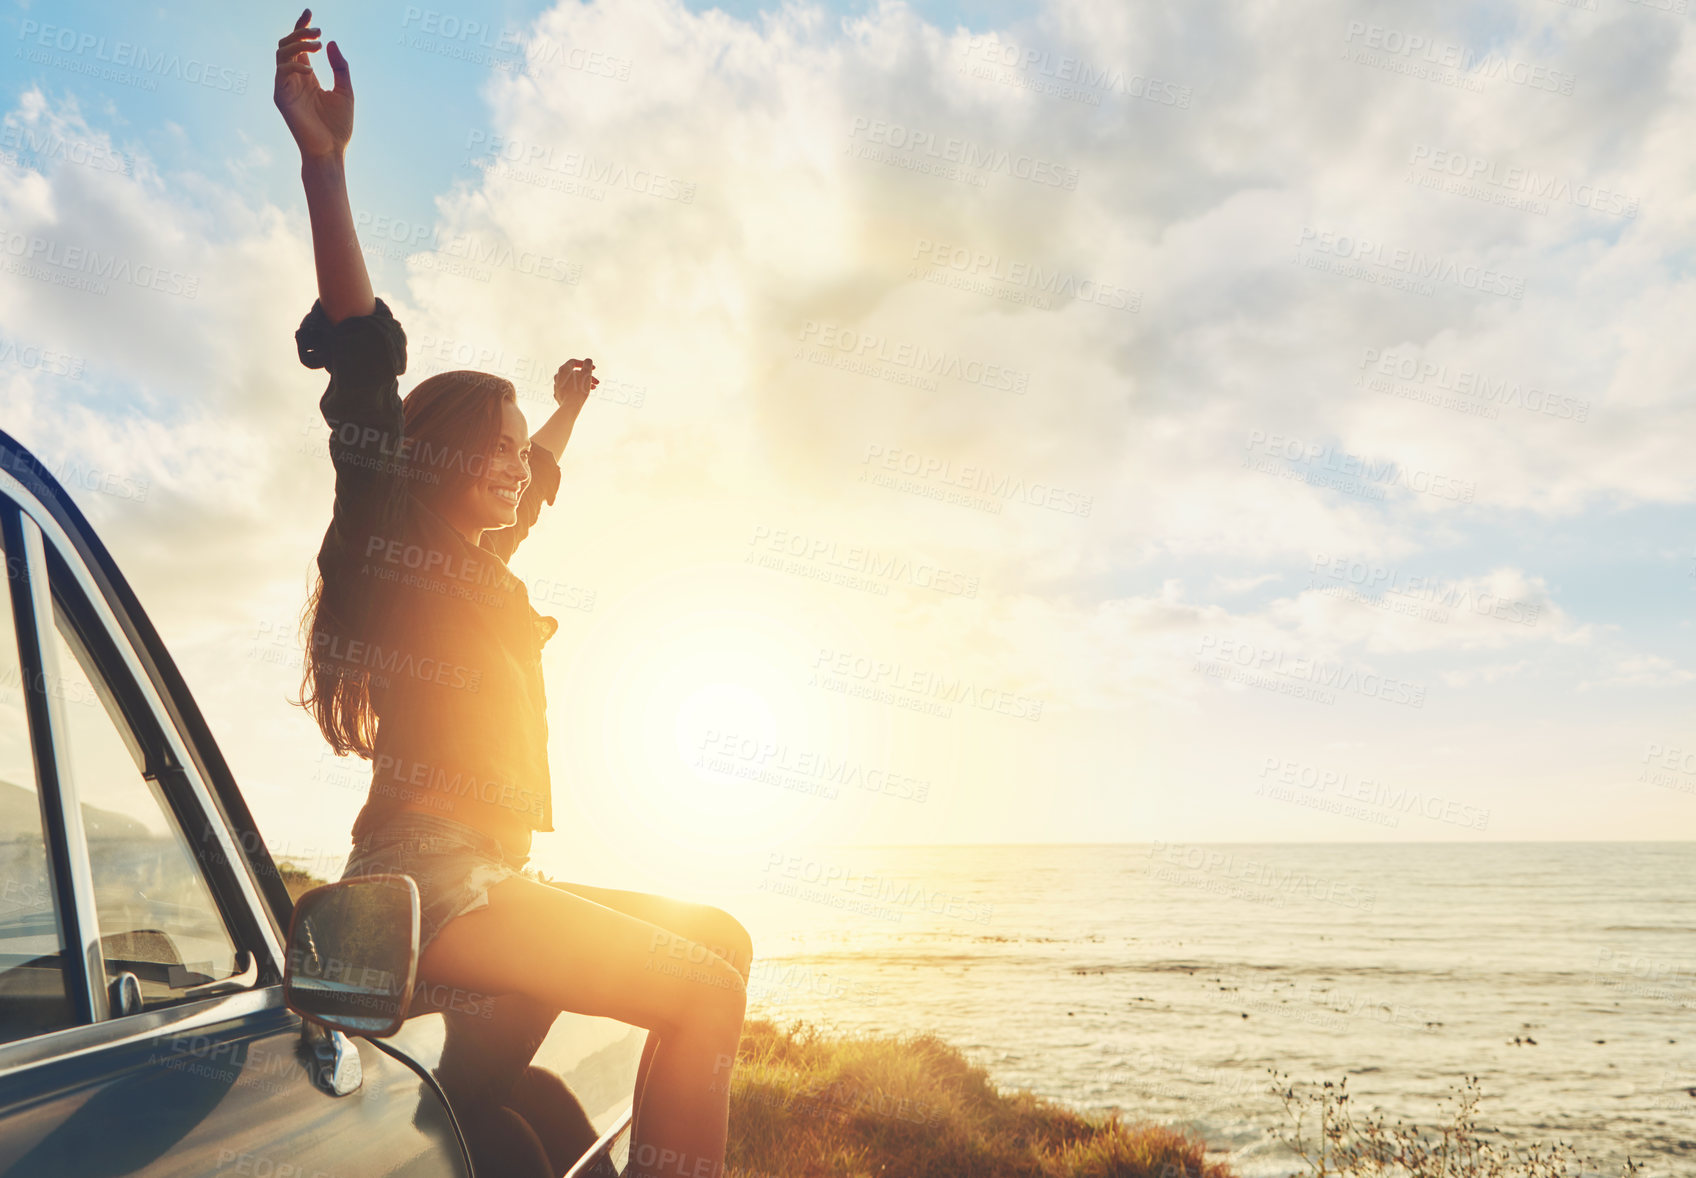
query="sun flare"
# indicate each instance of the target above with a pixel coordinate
(700, 721)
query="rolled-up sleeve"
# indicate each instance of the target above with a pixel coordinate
(363, 355)
(543, 488)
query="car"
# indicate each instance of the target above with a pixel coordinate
(166, 1008)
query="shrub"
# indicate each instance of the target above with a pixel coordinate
(1334, 1137)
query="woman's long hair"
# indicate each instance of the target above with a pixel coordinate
(452, 422)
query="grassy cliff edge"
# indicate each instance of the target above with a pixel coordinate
(806, 1104)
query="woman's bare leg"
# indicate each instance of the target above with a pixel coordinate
(713, 928)
(575, 954)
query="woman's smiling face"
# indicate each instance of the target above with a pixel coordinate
(492, 501)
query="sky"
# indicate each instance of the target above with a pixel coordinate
(1064, 422)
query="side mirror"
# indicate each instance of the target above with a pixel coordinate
(353, 954)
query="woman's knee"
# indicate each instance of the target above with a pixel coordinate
(706, 996)
(701, 929)
(717, 1010)
(730, 940)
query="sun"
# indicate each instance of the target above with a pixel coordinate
(697, 732)
(724, 726)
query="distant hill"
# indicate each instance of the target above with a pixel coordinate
(20, 809)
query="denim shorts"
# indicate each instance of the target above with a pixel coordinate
(453, 864)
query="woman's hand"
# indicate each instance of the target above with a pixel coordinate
(320, 120)
(573, 383)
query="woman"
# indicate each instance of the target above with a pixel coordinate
(425, 657)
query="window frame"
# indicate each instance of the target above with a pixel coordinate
(67, 850)
(52, 569)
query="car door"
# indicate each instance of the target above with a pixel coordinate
(142, 1024)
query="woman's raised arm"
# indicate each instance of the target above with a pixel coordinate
(322, 123)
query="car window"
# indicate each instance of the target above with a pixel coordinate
(34, 992)
(156, 914)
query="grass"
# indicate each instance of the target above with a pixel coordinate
(1336, 1138)
(805, 1105)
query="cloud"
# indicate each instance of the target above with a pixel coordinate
(1233, 586)
(1384, 610)
(1030, 304)
(1641, 670)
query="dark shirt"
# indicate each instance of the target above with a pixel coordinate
(447, 633)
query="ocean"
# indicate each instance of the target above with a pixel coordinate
(1165, 980)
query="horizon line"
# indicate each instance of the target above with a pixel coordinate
(1298, 843)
